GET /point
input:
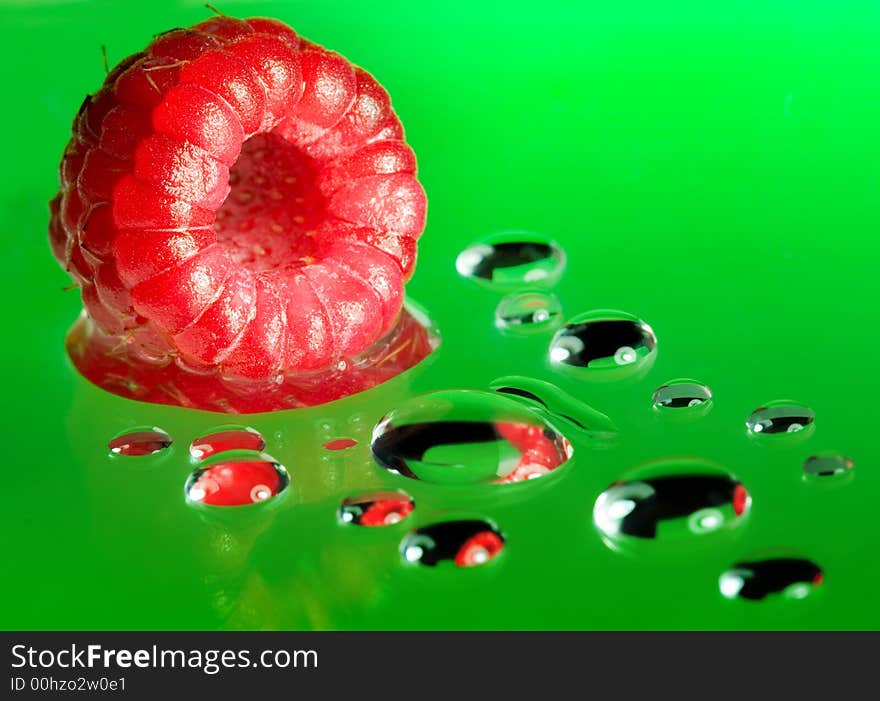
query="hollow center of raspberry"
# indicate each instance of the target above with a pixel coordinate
(274, 206)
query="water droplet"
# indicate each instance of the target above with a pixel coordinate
(682, 394)
(561, 406)
(237, 482)
(794, 578)
(139, 442)
(340, 444)
(827, 465)
(780, 417)
(604, 343)
(456, 437)
(512, 259)
(670, 500)
(465, 543)
(226, 438)
(376, 509)
(531, 311)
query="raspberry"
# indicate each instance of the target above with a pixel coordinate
(239, 204)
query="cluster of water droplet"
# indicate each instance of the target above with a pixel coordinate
(516, 434)
(669, 498)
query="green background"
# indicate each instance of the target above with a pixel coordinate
(710, 167)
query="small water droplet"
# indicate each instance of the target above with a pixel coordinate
(512, 259)
(670, 500)
(226, 438)
(827, 465)
(604, 343)
(340, 444)
(526, 312)
(465, 543)
(682, 394)
(139, 442)
(457, 437)
(780, 416)
(236, 482)
(794, 578)
(376, 509)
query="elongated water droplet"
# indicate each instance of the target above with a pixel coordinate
(340, 444)
(512, 259)
(456, 437)
(528, 312)
(561, 405)
(670, 500)
(780, 416)
(465, 543)
(827, 465)
(237, 482)
(682, 394)
(138, 442)
(376, 509)
(794, 578)
(227, 438)
(604, 343)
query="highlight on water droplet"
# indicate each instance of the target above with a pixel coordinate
(512, 259)
(826, 465)
(670, 500)
(137, 442)
(465, 543)
(376, 509)
(754, 580)
(780, 416)
(604, 343)
(237, 481)
(226, 438)
(466, 437)
(340, 444)
(528, 311)
(682, 394)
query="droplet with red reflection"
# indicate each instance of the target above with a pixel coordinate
(465, 543)
(237, 482)
(139, 442)
(755, 580)
(376, 509)
(340, 444)
(226, 439)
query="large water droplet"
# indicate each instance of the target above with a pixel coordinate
(794, 578)
(137, 442)
(227, 438)
(237, 482)
(531, 311)
(376, 509)
(464, 543)
(682, 394)
(670, 500)
(456, 437)
(780, 416)
(604, 343)
(512, 259)
(827, 465)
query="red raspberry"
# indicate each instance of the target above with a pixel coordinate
(241, 201)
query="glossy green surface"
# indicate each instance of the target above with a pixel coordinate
(713, 168)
